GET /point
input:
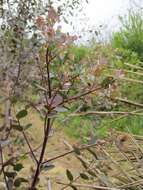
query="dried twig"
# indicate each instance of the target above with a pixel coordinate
(134, 66)
(91, 186)
(106, 113)
(129, 102)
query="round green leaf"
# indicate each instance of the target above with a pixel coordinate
(20, 180)
(18, 167)
(21, 114)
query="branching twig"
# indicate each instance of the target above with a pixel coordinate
(69, 152)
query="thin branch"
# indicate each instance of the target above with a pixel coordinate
(31, 150)
(127, 79)
(69, 100)
(123, 116)
(27, 141)
(105, 113)
(49, 184)
(12, 159)
(91, 186)
(48, 72)
(3, 171)
(132, 184)
(131, 80)
(128, 71)
(134, 66)
(129, 102)
(82, 94)
(69, 152)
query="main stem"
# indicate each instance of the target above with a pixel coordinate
(41, 155)
(47, 122)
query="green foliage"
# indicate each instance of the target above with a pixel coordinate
(21, 114)
(131, 124)
(117, 58)
(78, 128)
(18, 167)
(121, 56)
(79, 52)
(18, 181)
(130, 36)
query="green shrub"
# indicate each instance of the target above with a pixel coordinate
(79, 52)
(133, 124)
(130, 36)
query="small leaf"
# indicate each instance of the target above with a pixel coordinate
(83, 163)
(65, 20)
(76, 150)
(17, 183)
(18, 167)
(17, 127)
(21, 114)
(71, 13)
(69, 175)
(39, 87)
(47, 166)
(60, 109)
(107, 82)
(84, 176)
(92, 173)
(10, 174)
(93, 153)
(55, 101)
(96, 33)
(20, 180)
(27, 126)
(52, 115)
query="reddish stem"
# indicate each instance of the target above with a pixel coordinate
(47, 125)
